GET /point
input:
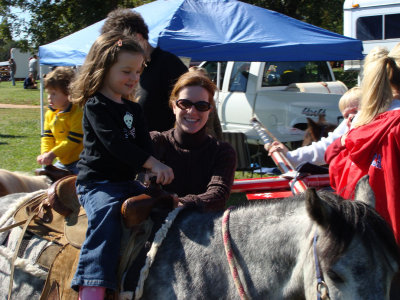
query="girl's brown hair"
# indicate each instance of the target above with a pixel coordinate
(60, 78)
(193, 78)
(101, 57)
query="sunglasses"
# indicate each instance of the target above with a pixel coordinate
(186, 104)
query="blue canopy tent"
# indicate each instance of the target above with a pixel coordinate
(217, 30)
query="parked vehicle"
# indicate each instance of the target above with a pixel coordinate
(281, 95)
(374, 22)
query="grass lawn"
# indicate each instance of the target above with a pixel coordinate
(10, 94)
(19, 139)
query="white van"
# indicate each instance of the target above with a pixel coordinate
(374, 22)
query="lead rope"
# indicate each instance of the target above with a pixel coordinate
(230, 255)
(158, 239)
(322, 287)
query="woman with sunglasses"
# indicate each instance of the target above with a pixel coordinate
(203, 166)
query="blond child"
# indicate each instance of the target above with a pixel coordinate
(62, 136)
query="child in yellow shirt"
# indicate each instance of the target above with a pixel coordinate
(63, 134)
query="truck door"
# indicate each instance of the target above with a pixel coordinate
(236, 99)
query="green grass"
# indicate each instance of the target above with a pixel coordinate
(10, 94)
(19, 139)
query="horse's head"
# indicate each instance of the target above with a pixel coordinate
(316, 130)
(356, 249)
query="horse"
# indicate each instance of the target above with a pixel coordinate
(282, 249)
(17, 182)
(316, 130)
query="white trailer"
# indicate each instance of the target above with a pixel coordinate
(374, 22)
(22, 61)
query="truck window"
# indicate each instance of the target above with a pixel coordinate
(287, 72)
(371, 27)
(212, 68)
(239, 76)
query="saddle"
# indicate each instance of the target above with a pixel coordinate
(53, 172)
(57, 216)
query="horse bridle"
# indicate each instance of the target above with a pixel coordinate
(322, 287)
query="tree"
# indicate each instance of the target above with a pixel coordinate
(327, 14)
(53, 19)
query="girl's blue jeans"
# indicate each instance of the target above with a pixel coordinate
(72, 167)
(99, 256)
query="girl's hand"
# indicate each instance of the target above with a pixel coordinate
(276, 146)
(343, 138)
(164, 174)
(46, 158)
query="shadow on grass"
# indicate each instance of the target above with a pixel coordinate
(7, 136)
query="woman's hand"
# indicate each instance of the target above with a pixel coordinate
(164, 174)
(276, 146)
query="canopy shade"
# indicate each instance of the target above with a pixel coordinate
(218, 30)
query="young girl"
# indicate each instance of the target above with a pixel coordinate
(116, 146)
(372, 147)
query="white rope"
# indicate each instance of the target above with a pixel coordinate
(24, 264)
(10, 212)
(158, 239)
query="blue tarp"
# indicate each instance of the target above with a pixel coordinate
(218, 30)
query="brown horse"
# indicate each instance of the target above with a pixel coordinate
(316, 130)
(17, 182)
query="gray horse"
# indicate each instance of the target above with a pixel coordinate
(273, 245)
(272, 242)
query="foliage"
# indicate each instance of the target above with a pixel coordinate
(349, 78)
(53, 19)
(327, 14)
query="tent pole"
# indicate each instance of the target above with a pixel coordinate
(41, 99)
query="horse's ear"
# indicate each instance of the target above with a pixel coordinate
(317, 209)
(311, 122)
(364, 192)
(313, 127)
(321, 119)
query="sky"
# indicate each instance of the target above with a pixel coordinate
(22, 15)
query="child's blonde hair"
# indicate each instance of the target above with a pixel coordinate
(60, 78)
(101, 57)
(351, 98)
(381, 79)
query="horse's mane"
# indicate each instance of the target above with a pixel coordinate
(349, 218)
(355, 217)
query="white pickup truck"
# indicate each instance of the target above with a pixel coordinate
(281, 95)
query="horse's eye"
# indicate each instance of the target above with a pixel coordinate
(335, 277)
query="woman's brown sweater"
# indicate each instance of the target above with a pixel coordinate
(204, 167)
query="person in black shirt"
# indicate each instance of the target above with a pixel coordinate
(158, 78)
(117, 145)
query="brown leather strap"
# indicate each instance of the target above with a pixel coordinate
(12, 226)
(12, 267)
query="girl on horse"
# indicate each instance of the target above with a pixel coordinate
(373, 146)
(117, 146)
